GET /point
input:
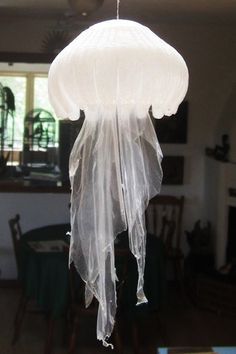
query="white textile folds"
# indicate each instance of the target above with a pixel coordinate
(114, 171)
(114, 71)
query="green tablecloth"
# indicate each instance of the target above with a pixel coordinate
(45, 275)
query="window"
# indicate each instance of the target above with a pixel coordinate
(32, 127)
(40, 93)
(13, 123)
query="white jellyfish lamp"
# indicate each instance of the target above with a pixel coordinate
(114, 71)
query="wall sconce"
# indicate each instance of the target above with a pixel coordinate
(85, 7)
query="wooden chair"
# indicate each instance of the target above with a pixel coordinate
(77, 310)
(16, 234)
(164, 219)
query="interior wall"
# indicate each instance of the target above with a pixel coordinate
(210, 53)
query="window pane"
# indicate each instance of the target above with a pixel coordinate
(14, 125)
(41, 100)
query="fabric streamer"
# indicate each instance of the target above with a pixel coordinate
(114, 71)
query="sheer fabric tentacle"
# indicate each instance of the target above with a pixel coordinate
(114, 71)
(114, 170)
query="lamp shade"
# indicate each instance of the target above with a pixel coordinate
(114, 71)
(118, 62)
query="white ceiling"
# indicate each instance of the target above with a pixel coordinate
(146, 10)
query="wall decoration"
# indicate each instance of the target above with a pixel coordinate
(173, 170)
(173, 130)
(85, 7)
(55, 41)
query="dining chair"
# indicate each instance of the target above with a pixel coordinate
(164, 219)
(16, 234)
(25, 303)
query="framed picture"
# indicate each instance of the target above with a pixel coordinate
(173, 129)
(173, 170)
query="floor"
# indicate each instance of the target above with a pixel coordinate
(179, 324)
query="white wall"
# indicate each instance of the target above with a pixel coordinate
(210, 53)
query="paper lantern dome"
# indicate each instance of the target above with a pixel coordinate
(114, 63)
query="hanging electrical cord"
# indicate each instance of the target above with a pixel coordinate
(118, 9)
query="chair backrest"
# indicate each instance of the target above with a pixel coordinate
(16, 234)
(164, 219)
